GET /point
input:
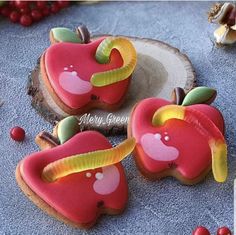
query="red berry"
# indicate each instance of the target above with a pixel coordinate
(17, 133)
(14, 16)
(26, 20)
(11, 4)
(223, 231)
(25, 10)
(41, 4)
(63, 4)
(21, 4)
(36, 15)
(55, 7)
(45, 11)
(5, 11)
(201, 231)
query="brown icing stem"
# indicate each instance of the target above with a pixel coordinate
(83, 33)
(49, 138)
(178, 95)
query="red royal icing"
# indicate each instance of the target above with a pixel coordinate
(69, 68)
(177, 142)
(77, 196)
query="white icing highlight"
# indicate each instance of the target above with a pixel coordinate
(109, 182)
(167, 138)
(71, 66)
(88, 174)
(65, 68)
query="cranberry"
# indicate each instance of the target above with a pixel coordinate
(5, 11)
(14, 16)
(41, 4)
(55, 7)
(36, 15)
(26, 20)
(21, 4)
(11, 4)
(17, 133)
(223, 231)
(46, 11)
(63, 4)
(201, 231)
(25, 10)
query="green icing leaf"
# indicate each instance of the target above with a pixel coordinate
(65, 35)
(199, 95)
(67, 128)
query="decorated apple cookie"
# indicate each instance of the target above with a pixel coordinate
(183, 138)
(80, 74)
(77, 176)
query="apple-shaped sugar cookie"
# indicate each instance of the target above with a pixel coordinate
(76, 177)
(182, 140)
(80, 75)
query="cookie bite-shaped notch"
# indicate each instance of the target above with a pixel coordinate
(180, 141)
(79, 179)
(76, 69)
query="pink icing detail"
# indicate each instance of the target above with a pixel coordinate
(109, 181)
(156, 149)
(73, 196)
(82, 57)
(194, 152)
(72, 83)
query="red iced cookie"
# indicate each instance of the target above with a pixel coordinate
(78, 180)
(81, 75)
(184, 141)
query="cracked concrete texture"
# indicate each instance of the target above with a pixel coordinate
(163, 207)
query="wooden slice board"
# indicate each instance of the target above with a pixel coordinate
(160, 68)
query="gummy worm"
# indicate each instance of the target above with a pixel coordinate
(128, 54)
(87, 161)
(206, 127)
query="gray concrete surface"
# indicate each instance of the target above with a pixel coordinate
(164, 207)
